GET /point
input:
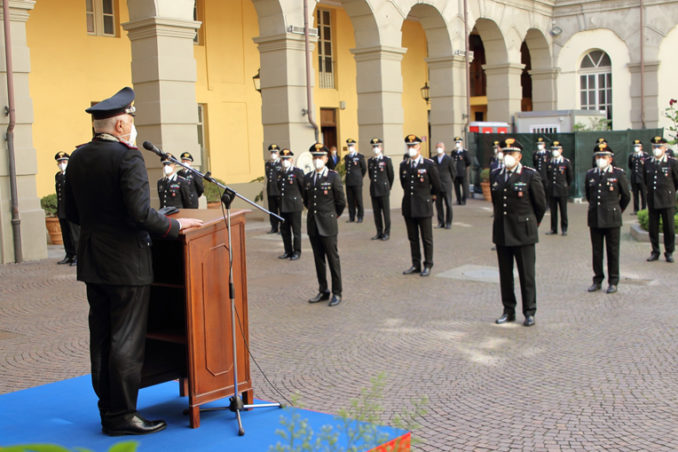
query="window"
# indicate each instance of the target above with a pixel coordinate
(101, 17)
(595, 79)
(325, 61)
(198, 16)
(202, 137)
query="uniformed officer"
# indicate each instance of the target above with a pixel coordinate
(195, 184)
(607, 192)
(70, 232)
(324, 199)
(661, 180)
(334, 158)
(559, 178)
(497, 159)
(380, 170)
(290, 185)
(354, 163)
(173, 189)
(446, 174)
(421, 184)
(460, 161)
(599, 141)
(271, 168)
(636, 164)
(540, 160)
(519, 205)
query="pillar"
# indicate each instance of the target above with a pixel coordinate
(652, 108)
(544, 89)
(504, 92)
(447, 77)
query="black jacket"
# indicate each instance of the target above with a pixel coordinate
(661, 180)
(195, 185)
(460, 161)
(539, 162)
(59, 182)
(636, 165)
(608, 195)
(381, 175)
(419, 184)
(325, 201)
(176, 193)
(108, 195)
(291, 187)
(445, 171)
(558, 177)
(519, 205)
(272, 169)
(355, 169)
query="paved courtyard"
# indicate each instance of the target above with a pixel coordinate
(597, 371)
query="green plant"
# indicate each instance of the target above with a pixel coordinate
(644, 220)
(594, 124)
(212, 191)
(671, 113)
(127, 446)
(485, 175)
(260, 195)
(49, 204)
(341, 169)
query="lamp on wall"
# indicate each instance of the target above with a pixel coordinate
(256, 79)
(425, 92)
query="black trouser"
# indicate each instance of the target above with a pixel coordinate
(555, 202)
(638, 189)
(381, 208)
(669, 229)
(117, 327)
(525, 258)
(70, 232)
(611, 238)
(291, 226)
(354, 197)
(459, 188)
(546, 191)
(325, 249)
(414, 227)
(274, 206)
(444, 197)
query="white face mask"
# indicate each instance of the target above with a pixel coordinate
(167, 169)
(440, 150)
(62, 166)
(187, 163)
(540, 147)
(657, 152)
(319, 164)
(412, 151)
(274, 156)
(602, 163)
(351, 150)
(510, 161)
(500, 156)
(556, 154)
(286, 163)
(637, 149)
(377, 150)
(458, 145)
(132, 136)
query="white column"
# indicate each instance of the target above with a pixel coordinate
(447, 78)
(653, 110)
(544, 89)
(504, 92)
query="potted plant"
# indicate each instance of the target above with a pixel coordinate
(485, 184)
(213, 194)
(49, 205)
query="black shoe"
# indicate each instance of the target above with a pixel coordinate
(494, 248)
(529, 320)
(564, 233)
(439, 226)
(74, 262)
(505, 317)
(272, 231)
(426, 271)
(284, 256)
(411, 270)
(384, 237)
(669, 257)
(65, 260)
(132, 425)
(360, 220)
(653, 257)
(295, 256)
(448, 226)
(322, 296)
(611, 289)
(594, 287)
(377, 237)
(551, 233)
(336, 299)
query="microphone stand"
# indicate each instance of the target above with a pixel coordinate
(236, 404)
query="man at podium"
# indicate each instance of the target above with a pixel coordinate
(108, 195)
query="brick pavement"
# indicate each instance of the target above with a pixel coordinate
(597, 372)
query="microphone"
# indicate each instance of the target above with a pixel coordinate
(150, 147)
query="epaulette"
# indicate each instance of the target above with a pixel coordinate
(529, 168)
(428, 160)
(616, 168)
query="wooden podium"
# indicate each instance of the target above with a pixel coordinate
(189, 322)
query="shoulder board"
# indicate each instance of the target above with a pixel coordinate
(529, 169)
(496, 170)
(429, 161)
(387, 157)
(309, 174)
(590, 170)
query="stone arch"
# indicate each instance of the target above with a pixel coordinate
(542, 73)
(271, 17)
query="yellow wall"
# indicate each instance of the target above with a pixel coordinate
(415, 74)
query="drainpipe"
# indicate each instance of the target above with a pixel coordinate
(642, 64)
(16, 221)
(309, 91)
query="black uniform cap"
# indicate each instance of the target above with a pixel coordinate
(186, 156)
(119, 103)
(411, 140)
(556, 145)
(274, 148)
(61, 156)
(319, 149)
(637, 142)
(286, 154)
(658, 141)
(540, 140)
(375, 140)
(511, 145)
(602, 149)
(350, 141)
(458, 139)
(166, 159)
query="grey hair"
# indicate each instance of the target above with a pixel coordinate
(106, 125)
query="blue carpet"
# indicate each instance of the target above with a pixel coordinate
(65, 413)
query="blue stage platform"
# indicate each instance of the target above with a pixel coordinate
(65, 413)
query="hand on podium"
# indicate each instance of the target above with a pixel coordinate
(187, 223)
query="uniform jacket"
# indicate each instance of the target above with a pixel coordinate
(558, 177)
(380, 171)
(661, 180)
(355, 169)
(272, 168)
(195, 184)
(539, 162)
(59, 182)
(419, 184)
(291, 187)
(519, 205)
(107, 194)
(175, 192)
(495, 164)
(325, 201)
(445, 171)
(460, 161)
(608, 195)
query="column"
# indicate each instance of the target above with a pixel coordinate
(504, 92)
(544, 89)
(447, 77)
(653, 111)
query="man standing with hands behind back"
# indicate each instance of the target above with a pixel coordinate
(108, 195)
(355, 171)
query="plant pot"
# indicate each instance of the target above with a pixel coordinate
(214, 204)
(485, 186)
(54, 230)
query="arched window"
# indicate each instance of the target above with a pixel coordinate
(595, 77)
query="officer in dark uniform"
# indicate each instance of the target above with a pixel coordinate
(272, 167)
(195, 184)
(421, 183)
(540, 160)
(107, 193)
(290, 186)
(334, 158)
(559, 178)
(173, 190)
(607, 192)
(324, 199)
(70, 232)
(519, 205)
(380, 170)
(446, 174)
(497, 160)
(355, 171)
(599, 141)
(460, 161)
(661, 180)
(636, 164)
